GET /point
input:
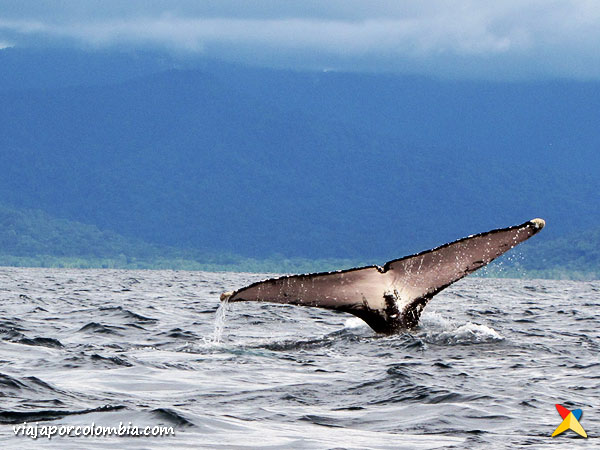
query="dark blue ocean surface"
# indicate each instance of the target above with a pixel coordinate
(484, 369)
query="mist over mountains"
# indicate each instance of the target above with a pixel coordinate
(215, 157)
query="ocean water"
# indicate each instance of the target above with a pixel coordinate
(484, 369)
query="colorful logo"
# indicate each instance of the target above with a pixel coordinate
(570, 421)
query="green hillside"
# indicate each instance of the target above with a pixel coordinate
(574, 256)
(233, 159)
(33, 238)
(30, 233)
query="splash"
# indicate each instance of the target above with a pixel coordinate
(355, 322)
(220, 320)
(440, 330)
(474, 333)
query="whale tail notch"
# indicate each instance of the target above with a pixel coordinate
(390, 298)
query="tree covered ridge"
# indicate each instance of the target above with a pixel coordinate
(34, 238)
(252, 162)
(211, 165)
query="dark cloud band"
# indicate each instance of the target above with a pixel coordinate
(477, 39)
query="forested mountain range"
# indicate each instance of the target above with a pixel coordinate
(208, 158)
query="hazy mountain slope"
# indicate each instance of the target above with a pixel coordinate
(49, 68)
(576, 255)
(26, 232)
(34, 238)
(254, 162)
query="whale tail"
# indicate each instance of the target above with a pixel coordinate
(390, 298)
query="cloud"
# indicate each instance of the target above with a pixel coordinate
(403, 37)
(509, 39)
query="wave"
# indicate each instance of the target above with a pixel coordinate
(13, 417)
(171, 417)
(110, 360)
(96, 327)
(41, 341)
(402, 383)
(435, 329)
(31, 383)
(127, 314)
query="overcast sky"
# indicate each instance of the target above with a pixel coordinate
(459, 38)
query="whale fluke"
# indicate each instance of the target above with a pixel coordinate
(390, 298)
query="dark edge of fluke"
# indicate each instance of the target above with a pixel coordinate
(390, 298)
